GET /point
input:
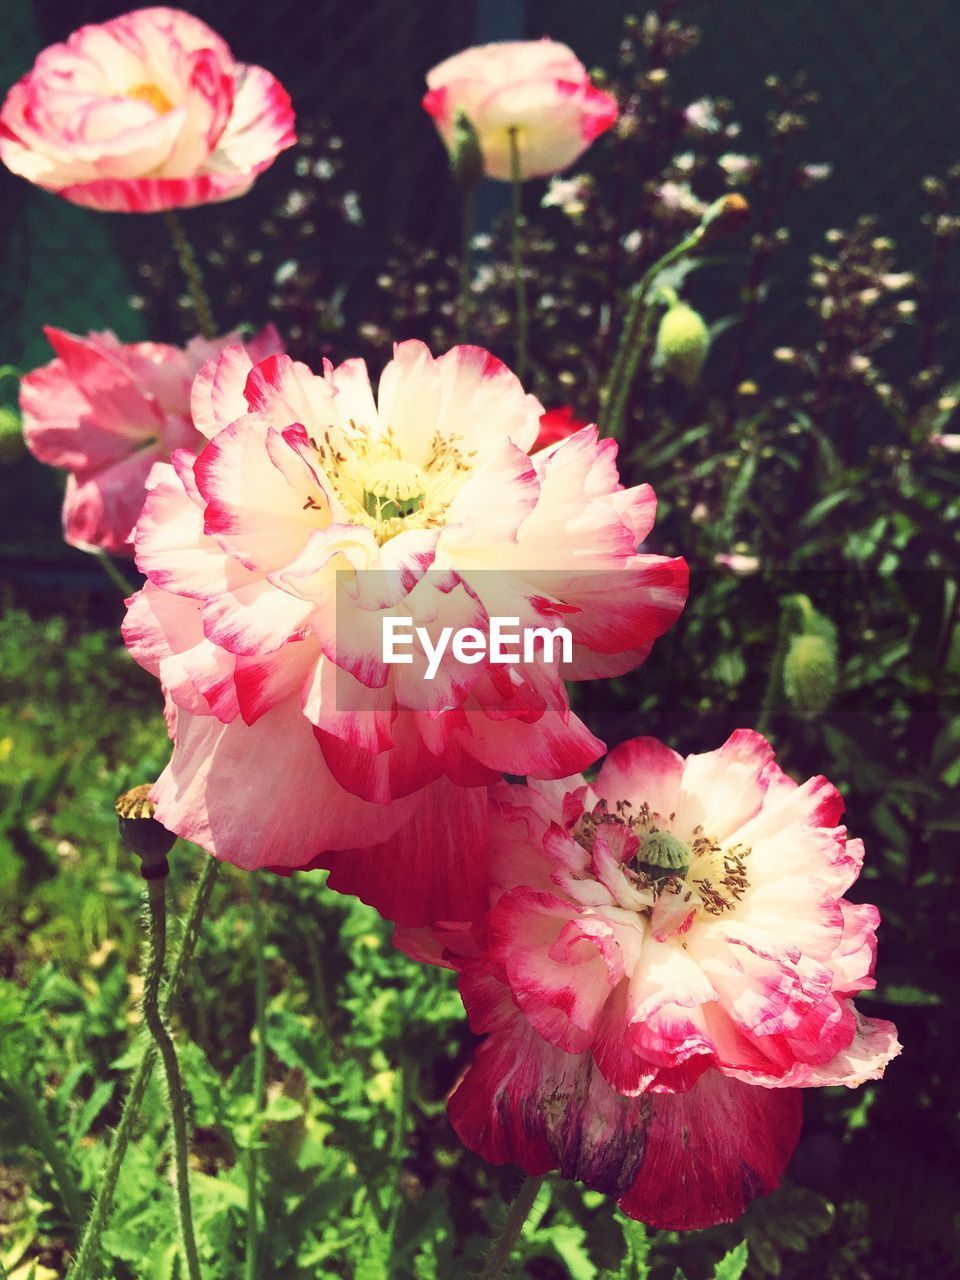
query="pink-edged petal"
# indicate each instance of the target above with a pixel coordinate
(642, 771)
(164, 633)
(289, 811)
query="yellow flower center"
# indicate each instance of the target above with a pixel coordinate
(153, 95)
(380, 489)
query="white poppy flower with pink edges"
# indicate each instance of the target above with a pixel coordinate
(106, 411)
(316, 513)
(145, 112)
(538, 88)
(667, 959)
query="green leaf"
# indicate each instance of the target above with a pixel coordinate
(733, 1264)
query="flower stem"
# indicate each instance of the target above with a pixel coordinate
(89, 1248)
(113, 573)
(466, 263)
(156, 895)
(192, 274)
(259, 1075)
(517, 223)
(500, 1255)
(771, 693)
(633, 339)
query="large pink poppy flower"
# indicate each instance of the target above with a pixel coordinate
(314, 513)
(538, 87)
(147, 111)
(106, 411)
(668, 958)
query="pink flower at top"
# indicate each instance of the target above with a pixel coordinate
(538, 87)
(147, 111)
(667, 959)
(315, 513)
(106, 411)
(556, 425)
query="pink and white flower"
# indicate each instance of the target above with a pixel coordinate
(314, 512)
(667, 959)
(147, 111)
(537, 87)
(106, 411)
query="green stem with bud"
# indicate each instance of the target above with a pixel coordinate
(89, 1248)
(156, 896)
(633, 339)
(516, 227)
(499, 1258)
(192, 275)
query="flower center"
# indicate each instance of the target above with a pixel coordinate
(663, 863)
(153, 95)
(393, 489)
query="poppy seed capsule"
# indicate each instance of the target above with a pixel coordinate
(142, 834)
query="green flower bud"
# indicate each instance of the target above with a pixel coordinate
(725, 216)
(683, 341)
(142, 834)
(12, 447)
(811, 673)
(466, 158)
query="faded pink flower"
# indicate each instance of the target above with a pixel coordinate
(668, 958)
(106, 411)
(295, 739)
(537, 87)
(147, 111)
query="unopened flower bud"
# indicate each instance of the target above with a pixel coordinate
(142, 834)
(726, 216)
(466, 158)
(12, 447)
(683, 341)
(810, 674)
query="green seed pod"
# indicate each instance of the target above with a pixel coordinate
(12, 447)
(142, 834)
(683, 341)
(811, 674)
(466, 158)
(661, 849)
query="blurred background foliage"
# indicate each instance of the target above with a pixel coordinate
(807, 474)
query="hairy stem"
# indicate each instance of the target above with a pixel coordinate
(89, 1248)
(519, 283)
(500, 1254)
(192, 274)
(259, 1075)
(156, 894)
